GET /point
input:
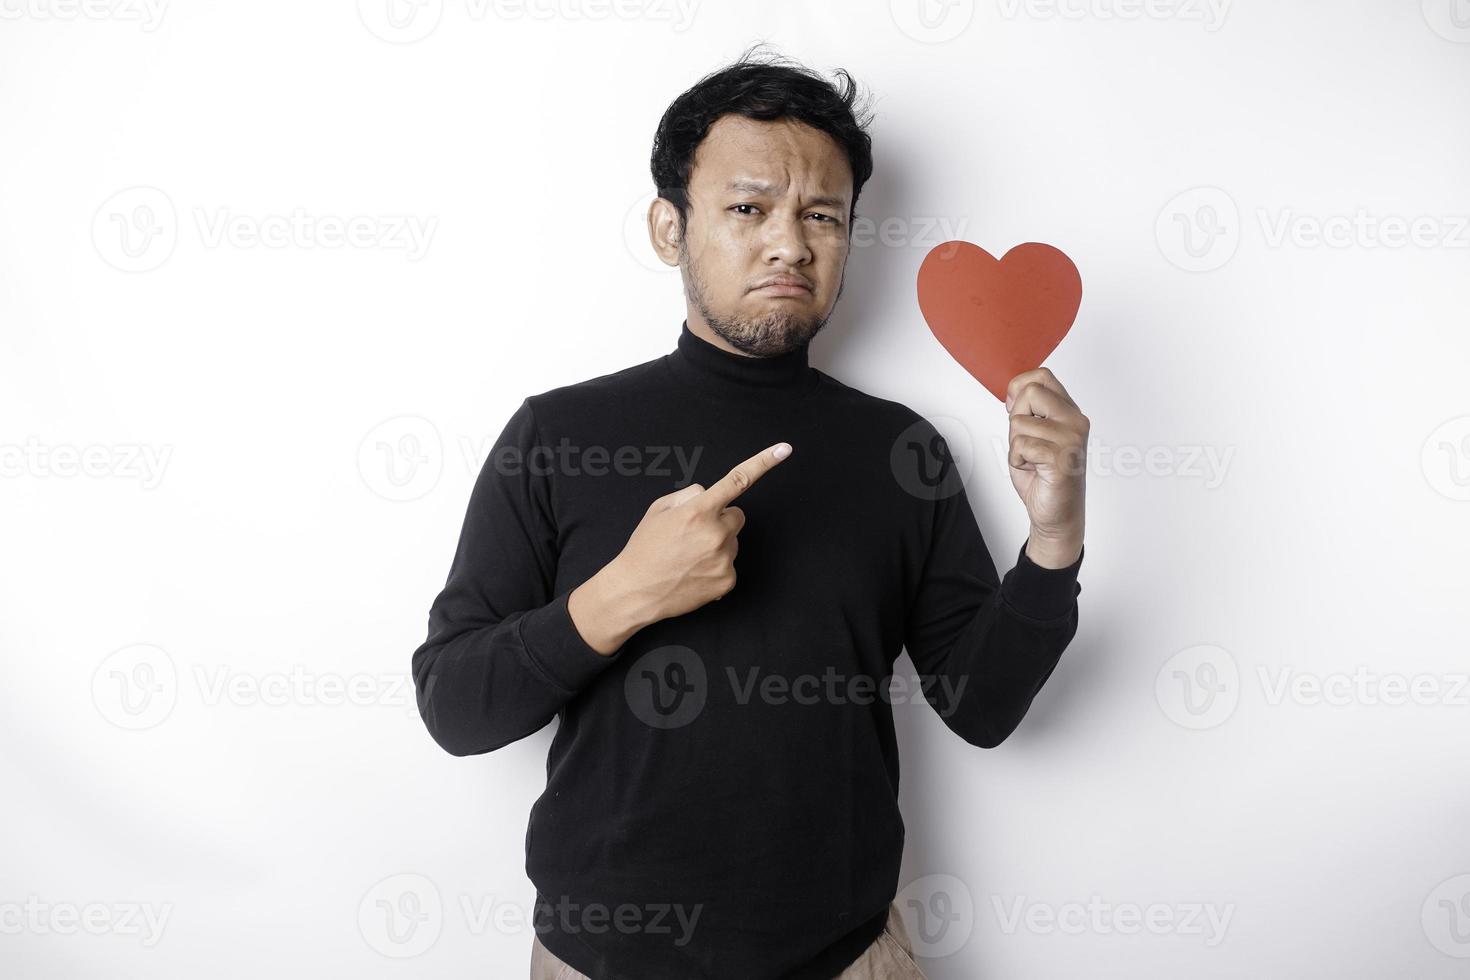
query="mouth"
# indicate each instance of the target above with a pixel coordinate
(784, 289)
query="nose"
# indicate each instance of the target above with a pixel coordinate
(785, 241)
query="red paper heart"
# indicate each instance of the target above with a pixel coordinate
(999, 318)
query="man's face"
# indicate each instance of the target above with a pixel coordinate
(766, 200)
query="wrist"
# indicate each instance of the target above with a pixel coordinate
(605, 610)
(624, 603)
(1054, 550)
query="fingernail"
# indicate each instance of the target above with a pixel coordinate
(782, 450)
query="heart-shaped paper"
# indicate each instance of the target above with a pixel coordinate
(999, 318)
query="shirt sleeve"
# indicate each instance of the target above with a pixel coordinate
(502, 654)
(984, 646)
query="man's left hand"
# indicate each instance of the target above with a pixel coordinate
(1048, 464)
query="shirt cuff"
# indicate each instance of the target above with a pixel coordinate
(1041, 593)
(550, 638)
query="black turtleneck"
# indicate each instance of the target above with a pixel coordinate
(722, 792)
(700, 363)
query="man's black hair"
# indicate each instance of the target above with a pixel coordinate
(766, 88)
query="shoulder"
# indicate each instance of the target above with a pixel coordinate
(872, 411)
(604, 393)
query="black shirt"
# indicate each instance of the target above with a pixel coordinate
(722, 792)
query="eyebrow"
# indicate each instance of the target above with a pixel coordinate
(761, 187)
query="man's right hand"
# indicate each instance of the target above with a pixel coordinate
(680, 556)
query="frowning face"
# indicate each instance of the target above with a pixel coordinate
(766, 242)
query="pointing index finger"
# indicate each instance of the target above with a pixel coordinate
(743, 476)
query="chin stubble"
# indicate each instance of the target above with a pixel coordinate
(770, 335)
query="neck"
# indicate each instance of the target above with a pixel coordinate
(718, 369)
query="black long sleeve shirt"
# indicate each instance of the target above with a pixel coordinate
(722, 792)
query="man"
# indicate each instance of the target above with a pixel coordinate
(705, 566)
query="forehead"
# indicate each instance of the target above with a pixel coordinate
(777, 152)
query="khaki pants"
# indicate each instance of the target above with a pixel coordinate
(890, 957)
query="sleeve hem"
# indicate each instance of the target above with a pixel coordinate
(1042, 594)
(551, 640)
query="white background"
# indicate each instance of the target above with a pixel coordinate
(178, 634)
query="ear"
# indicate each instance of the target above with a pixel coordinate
(663, 230)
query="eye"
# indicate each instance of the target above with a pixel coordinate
(742, 206)
(824, 217)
